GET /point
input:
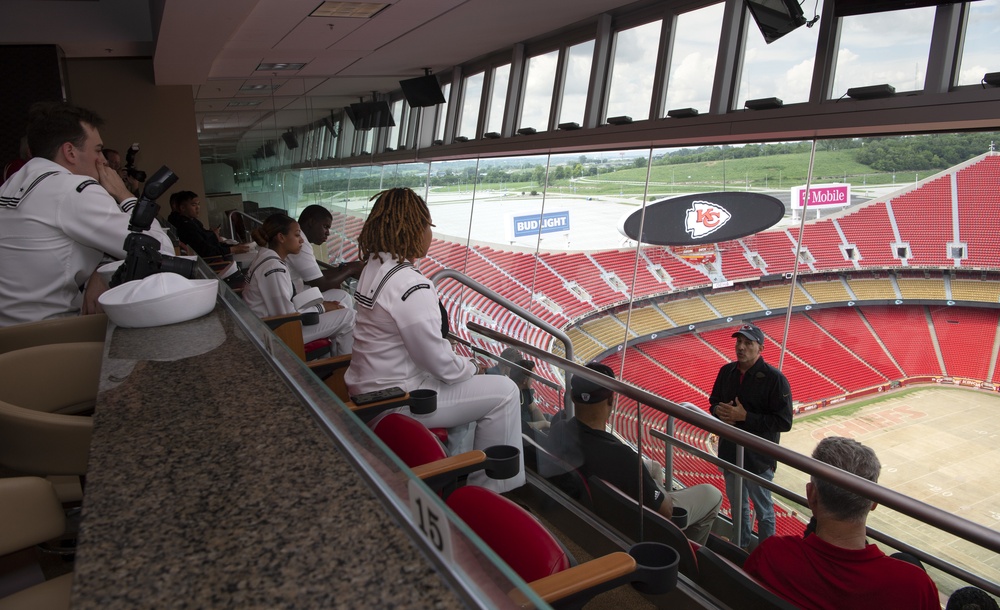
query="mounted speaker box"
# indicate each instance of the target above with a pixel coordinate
(366, 115)
(290, 141)
(775, 18)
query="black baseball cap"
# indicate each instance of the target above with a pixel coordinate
(750, 332)
(585, 391)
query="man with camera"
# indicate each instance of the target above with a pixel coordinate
(59, 215)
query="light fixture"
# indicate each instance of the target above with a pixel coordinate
(871, 92)
(992, 79)
(244, 103)
(763, 103)
(258, 87)
(682, 113)
(349, 10)
(491, 135)
(526, 131)
(619, 120)
(569, 126)
(268, 67)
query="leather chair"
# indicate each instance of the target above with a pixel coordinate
(40, 389)
(30, 513)
(539, 558)
(57, 330)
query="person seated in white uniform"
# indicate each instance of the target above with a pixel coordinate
(269, 288)
(315, 222)
(59, 215)
(398, 334)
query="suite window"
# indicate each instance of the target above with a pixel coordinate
(540, 80)
(692, 62)
(579, 59)
(631, 89)
(784, 68)
(472, 95)
(498, 98)
(979, 51)
(890, 47)
(442, 113)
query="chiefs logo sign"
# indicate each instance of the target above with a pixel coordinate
(702, 218)
(705, 218)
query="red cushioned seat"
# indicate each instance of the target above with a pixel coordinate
(409, 440)
(513, 534)
(441, 434)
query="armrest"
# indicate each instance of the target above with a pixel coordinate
(368, 412)
(593, 577)
(439, 473)
(324, 367)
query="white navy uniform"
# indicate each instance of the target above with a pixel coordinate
(398, 343)
(55, 227)
(269, 293)
(304, 268)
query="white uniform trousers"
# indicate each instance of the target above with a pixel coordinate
(494, 404)
(338, 325)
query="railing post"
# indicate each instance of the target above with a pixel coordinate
(668, 456)
(736, 504)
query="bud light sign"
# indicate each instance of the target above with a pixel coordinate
(822, 196)
(533, 224)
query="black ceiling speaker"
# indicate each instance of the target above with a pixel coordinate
(366, 115)
(290, 141)
(422, 91)
(269, 149)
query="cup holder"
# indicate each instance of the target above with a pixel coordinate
(423, 402)
(680, 517)
(502, 461)
(656, 567)
(310, 318)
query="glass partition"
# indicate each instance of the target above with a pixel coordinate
(888, 253)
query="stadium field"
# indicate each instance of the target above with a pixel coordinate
(938, 445)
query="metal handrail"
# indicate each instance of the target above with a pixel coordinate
(943, 520)
(516, 309)
(944, 566)
(246, 217)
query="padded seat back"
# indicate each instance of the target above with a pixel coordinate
(56, 330)
(55, 378)
(734, 587)
(410, 440)
(513, 533)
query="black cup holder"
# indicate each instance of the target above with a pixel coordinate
(656, 567)
(502, 461)
(680, 517)
(423, 402)
(310, 318)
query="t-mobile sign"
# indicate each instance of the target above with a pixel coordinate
(822, 196)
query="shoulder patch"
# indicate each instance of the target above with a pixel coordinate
(413, 289)
(278, 270)
(85, 184)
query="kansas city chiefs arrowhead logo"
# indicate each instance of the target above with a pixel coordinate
(705, 218)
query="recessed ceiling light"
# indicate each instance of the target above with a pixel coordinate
(350, 10)
(258, 87)
(281, 66)
(248, 103)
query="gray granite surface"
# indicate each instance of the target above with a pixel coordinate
(211, 486)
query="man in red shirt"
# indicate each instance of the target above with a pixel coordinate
(835, 567)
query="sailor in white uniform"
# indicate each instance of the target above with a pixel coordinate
(398, 338)
(269, 289)
(59, 216)
(315, 221)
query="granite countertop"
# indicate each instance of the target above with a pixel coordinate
(210, 486)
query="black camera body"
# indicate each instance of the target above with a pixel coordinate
(130, 170)
(142, 252)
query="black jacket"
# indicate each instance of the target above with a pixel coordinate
(767, 397)
(193, 233)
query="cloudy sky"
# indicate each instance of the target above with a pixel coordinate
(889, 47)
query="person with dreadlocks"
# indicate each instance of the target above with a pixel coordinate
(397, 336)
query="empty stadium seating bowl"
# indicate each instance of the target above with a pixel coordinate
(158, 300)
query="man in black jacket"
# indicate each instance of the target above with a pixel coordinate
(752, 395)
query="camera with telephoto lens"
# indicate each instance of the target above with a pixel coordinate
(142, 252)
(130, 170)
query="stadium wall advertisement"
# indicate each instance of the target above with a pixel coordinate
(530, 225)
(821, 196)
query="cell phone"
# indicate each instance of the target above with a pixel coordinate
(377, 396)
